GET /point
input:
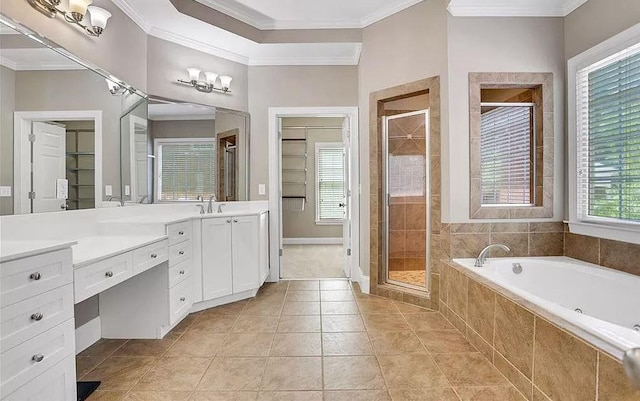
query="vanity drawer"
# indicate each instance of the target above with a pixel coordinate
(29, 359)
(24, 278)
(26, 319)
(95, 278)
(179, 232)
(179, 253)
(180, 301)
(56, 384)
(149, 256)
(179, 273)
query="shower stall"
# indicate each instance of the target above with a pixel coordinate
(406, 198)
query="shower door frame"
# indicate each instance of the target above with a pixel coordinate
(386, 198)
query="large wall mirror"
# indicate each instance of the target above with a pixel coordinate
(199, 153)
(60, 129)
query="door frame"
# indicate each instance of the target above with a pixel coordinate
(275, 177)
(22, 148)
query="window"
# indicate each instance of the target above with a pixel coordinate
(185, 169)
(512, 133)
(608, 138)
(330, 189)
(506, 157)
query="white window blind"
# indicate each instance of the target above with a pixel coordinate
(506, 159)
(186, 170)
(608, 138)
(329, 181)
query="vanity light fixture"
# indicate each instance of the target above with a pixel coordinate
(77, 11)
(212, 81)
(116, 87)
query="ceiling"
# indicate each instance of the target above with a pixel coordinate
(180, 111)
(309, 14)
(32, 59)
(513, 8)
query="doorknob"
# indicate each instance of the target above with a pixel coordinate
(64, 206)
(342, 204)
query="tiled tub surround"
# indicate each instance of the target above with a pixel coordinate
(527, 344)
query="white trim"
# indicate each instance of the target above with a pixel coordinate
(507, 8)
(200, 306)
(21, 150)
(133, 190)
(260, 21)
(312, 241)
(597, 53)
(275, 220)
(359, 277)
(88, 334)
(132, 14)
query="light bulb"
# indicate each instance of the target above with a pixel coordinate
(211, 78)
(78, 8)
(225, 81)
(99, 17)
(194, 74)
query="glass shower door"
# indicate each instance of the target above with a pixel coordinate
(406, 185)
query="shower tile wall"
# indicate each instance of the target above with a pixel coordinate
(408, 197)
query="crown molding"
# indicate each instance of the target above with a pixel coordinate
(132, 14)
(197, 45)
(39, 65)
(260, 21)
(507, 8)
(354, 59)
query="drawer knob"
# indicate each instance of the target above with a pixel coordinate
(37, 316)
(181, 253)
(235, 220)
(181, 271)
(109, 274)
(35, 276)
(153, 256)
(229, 221)
(183, 299)
(37, 358)
(180, 232)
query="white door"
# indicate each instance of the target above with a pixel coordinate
(280, 218)
(49, 152)
(246, 253)
(217, 262)
(346, 203)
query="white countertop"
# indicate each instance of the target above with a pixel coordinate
(180, 217)
(12, 249)
(90, 250)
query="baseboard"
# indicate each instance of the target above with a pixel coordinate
(212, 303)
(88, 334)
(312, 241)
(358, 276)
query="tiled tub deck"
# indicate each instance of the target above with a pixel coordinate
(543, 361)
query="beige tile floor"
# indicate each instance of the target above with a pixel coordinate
(312, 261)
(299, 340)
(414, 277)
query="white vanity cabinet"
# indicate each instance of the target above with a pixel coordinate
(234, 255)
(37, 338)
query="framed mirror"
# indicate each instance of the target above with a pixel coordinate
(198, 151)
(61, 124)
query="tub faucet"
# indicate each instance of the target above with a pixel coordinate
(115, 198)
(212, 198)
(482, 258)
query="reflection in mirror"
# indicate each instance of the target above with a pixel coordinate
(59, 131)
(136, 159)
(199, 152)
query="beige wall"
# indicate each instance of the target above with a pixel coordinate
(7, 107)
(168, 62)
(76, 90)
(291, 86)
(303, 224)
(498, 45)
(405, 47)
(183, 129)
(121, 49)
(596, 21)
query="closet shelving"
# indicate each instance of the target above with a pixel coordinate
(80, 168)
(294, 167)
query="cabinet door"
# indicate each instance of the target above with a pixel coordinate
(216, 258)
(246, 254)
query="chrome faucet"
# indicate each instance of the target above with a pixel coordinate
(482, 258)
(201, 208)
(210, 208)
(112, 198)
(220, 207)
(143, 198)
(631, 365)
